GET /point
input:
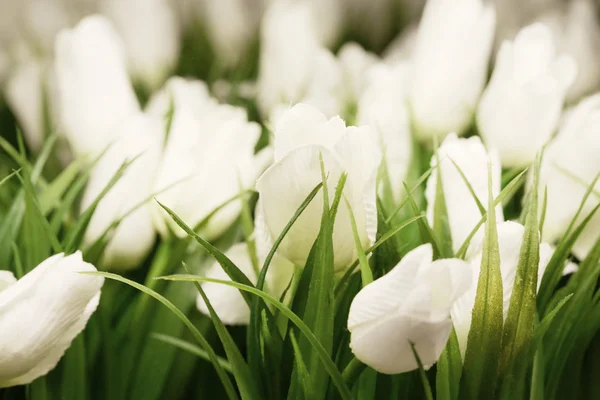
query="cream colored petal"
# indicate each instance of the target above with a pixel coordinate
(7, 278)
(41, 314)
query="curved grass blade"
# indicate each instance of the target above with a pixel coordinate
(418, 183)
(330, 367)
(191, 348)
(422, 374)
(449, 370)
(229, 388)
(365, 268)
(228, 266)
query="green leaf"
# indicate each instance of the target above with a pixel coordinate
(441, 224)
(518, 327)
(301, 368)
(231, 392)
(427, 235)
(241, 372)
(229, 267)
(449, 370)
(52, 195)
(480, 371)
(365, 268)
(422, 374)
(330, 367)
(191, 348)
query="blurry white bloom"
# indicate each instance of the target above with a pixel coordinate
(569, 165)
(513, 15)
(294, 67)
(302, 136)
(382, 106)
(521, 106)
(139, 136)
(450, 65)
(410, 304)
(510, 238)
(151, 35)
(328, 19)
(472, 158)
(577, 33)
(28, 88)
(227, 301)
(402, 47)
(208, 159)
(94, 91)
(354, 62)
(232, 27)
(41, 314)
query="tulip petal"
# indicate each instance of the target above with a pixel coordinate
(284, 186)
(7, 278)
(41, 314)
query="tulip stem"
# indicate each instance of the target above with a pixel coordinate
(353, 371)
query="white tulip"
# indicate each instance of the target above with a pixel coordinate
(302, 136)
(577, 33)
(208, 159)
(354, 62)
(25, 91)
(410, 304)
(41, 314)
(520, 108)
(450, 65)
(472, 158)
(139, 136)
(232, 27)
(569, 165)
(151, 35)
(382, 106)
(227, 301)
(401, 49)
(94, 91)
(510, 239)
(294, 67)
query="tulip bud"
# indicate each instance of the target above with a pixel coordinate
(294, 67)
(450, 65)
(303, 136)
(510, 239)
(41, 314)
(28, 90)
(521, 106)
(577, 33)
(151, 35)
(94, 91)
(569, 165)
(382, 106)
(140, 139)
(227, 301)
(409, 305)
(472, 159)
(208, 158)
(231, 40)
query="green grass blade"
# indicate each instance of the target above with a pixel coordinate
(228, 266)
(365, 268)
(191, 348)
(422, 374)
(231, 392)
(330, 367)
(449, 370)
(441, 223)
(480, 372)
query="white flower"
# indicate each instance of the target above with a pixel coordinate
(382, 106)
(354, 62)
(139, 136)
(401, 49)
(232, 26)
(510, 238)
(29, 86)
(569, 165)
(463, 214)
(521, 106)
(302, 136)
(450, 65)
(41, 314)
(227, 301)
(151, 35)
(294, 67)
(577, 33)
(94, 91)
(410, 304)
(208, 159)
